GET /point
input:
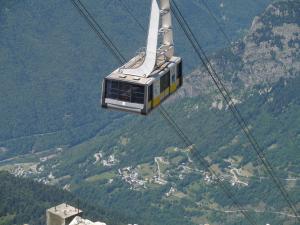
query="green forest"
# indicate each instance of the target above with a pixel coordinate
(53, 128)
(24, 201)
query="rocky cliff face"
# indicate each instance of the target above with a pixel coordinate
(270, 51)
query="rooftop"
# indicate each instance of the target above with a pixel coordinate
(64, 210)
(118, 75)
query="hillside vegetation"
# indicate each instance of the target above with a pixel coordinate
(25, 202)
(52, 64)
(138, 165)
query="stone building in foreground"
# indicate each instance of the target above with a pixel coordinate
(65, 214)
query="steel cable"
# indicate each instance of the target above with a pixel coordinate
(227, 97)
(121, 59)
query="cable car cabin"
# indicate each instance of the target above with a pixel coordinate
(142, 94)
(150, 77)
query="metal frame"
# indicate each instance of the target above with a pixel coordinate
(160, 21)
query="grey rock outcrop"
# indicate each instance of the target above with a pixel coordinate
(270, 51)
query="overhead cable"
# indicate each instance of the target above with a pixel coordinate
(184, 137)
(227, 97)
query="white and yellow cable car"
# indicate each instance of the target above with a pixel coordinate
(150, 77)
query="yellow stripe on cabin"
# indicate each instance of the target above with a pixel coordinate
(167, 91)
(162, 95)
(156, 101)
(173, 87)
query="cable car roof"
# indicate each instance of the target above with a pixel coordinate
(118, 75)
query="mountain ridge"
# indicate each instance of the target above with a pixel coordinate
(139, 166)
(253, 60)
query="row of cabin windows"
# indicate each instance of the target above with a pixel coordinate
(133, 93)
(165, 81)
(124, 91)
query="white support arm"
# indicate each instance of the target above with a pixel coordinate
(158, 14)
(149, 63)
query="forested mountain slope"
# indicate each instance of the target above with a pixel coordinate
(267, 53)
(139, 166)
(25, 202)
(52, 64)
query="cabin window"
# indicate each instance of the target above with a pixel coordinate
(165, 81)
(156, 88)
(179, 73)
(150, 93)
(179, 70)
(124, 91)
(173, 71)
(173, 78)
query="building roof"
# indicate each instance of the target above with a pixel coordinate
(64, 211)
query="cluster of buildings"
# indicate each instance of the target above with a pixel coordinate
(171, 192)
(157, 179)
(25, 170)
(209, 178)
(109, 161)
(131, 176)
